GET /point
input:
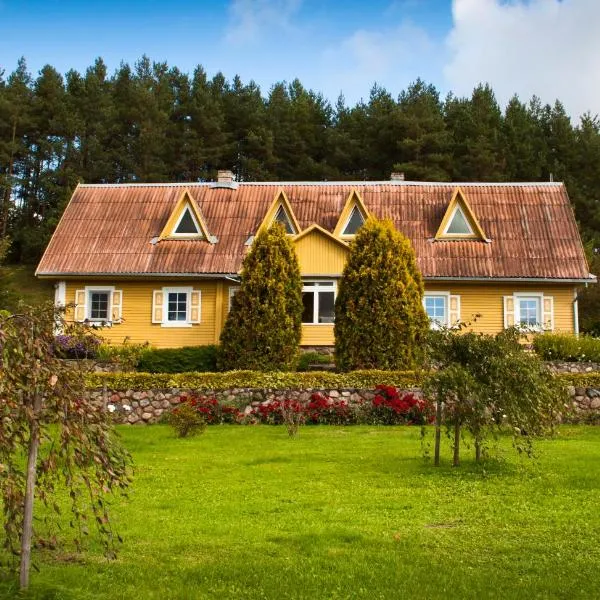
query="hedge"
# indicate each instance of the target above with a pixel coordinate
(255, 379)
(567, 347)
(178, 360)
(582, 380)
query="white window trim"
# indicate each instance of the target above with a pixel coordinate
(317, 288)
(176, 290)
(88, 304)
(60, 294)
(233, 289)
(351, 235)
(539, 296)
(446, 296)
(198, 233)
(445, 232)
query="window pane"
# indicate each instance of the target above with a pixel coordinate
(281, 217)
(177, 306)
(99, 305)
(186, 225)
(326, 307)
(529, 312)
(459, 224)
(355, 221)
(435, 307)
(308, 300)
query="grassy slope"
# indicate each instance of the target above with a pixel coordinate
(19, 283)
(245, 512)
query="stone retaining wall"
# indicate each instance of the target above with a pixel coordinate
(573, 367)
(137, 407)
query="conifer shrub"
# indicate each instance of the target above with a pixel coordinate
(178, 360)
(262, 331)
(379, 316)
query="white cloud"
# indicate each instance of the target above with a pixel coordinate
(392, 57)
(252, 21)
(545, 47)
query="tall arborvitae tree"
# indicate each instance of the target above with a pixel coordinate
(379, 316)
(424, 143)
(262, 331)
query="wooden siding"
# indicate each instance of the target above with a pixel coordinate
(318, 254)
(137, 314)
(485, 299)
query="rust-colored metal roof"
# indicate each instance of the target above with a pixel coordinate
(108, 229)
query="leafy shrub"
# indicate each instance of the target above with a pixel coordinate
(263, 327)
(186, 419)
(77, 346)
(178, 360)
(306, 359)
(255, 379)
(379, 315)
(392, 408)
(127, 356)
(567, 347)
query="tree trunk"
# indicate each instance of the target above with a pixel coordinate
(477, 450)
(8, 186)
(438, 433)
(34, 444)
(456, 458)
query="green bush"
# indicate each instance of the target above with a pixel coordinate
(379, 316)
(567, 347)
(263, 328)
(275, 380)
(186, 420)
(127, 355)
(179, 360)
(306, 359)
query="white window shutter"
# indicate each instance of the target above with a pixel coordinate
(117, 305)
(157, 306)
(80, 306)
(195, 307)
(548, 313)
(453, 310)
(509, 311)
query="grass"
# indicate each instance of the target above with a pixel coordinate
(245, 512)
(17, 282)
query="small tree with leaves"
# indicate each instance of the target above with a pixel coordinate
(263, 328)
(46, 416)
(483, 383)
(379, 316)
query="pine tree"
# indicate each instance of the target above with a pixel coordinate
(379, 315)
(262, 331)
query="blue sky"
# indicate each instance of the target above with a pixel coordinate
(546, 47)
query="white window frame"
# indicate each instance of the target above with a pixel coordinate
(233, 290)
(436, 324)
(89, 289)
(465, 235)
(309, 286)
(351, 235)
(176, 290)
(539, 297)
(198, 233)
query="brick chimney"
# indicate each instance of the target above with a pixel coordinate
(225, 176)
(397, 176)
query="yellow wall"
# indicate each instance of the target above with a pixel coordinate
(318, 254)
(485, 299)
(137, 323)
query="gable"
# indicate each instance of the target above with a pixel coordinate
(319, 253)
(186, 221)
(353, 215)
(280, 211)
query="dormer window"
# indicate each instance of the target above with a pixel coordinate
(459, 221)
(187, 225)
(186, 222)
(354, 222)
(283, 218)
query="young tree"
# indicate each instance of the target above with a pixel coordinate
(46, 417)
(263, 328)
(380, 320)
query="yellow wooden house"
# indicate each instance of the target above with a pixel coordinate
(159, 263)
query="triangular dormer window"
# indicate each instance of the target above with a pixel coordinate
(353, 216)
(186, 222)
(282, 217)
(354, 222)
(460, 222)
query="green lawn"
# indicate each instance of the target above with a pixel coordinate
(17, 282)
(245, 512)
